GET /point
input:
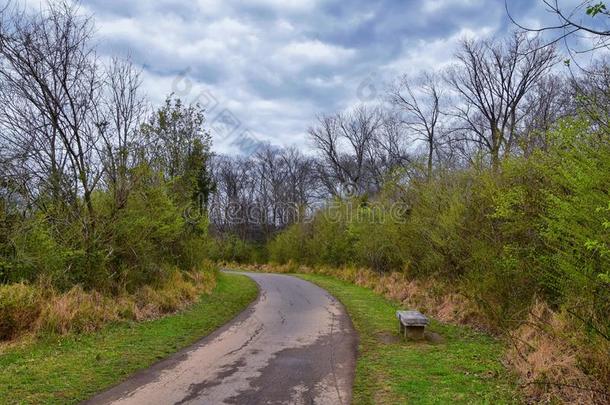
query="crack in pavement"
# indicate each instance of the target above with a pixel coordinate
(247, 342)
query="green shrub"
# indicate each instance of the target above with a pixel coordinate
(19, 308)
(231, 248)
(575, 228)
(377, 240)
(330, 242)
(290, 244)
(36, 251)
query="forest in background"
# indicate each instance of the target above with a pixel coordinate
(487, 182)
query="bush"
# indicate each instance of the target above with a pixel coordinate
(574, 227)
(37, 252)
(132, 245)
(290, 244)
(146, 233)
(19, 308)
(231, 248)
(330, 243)
(377, 240)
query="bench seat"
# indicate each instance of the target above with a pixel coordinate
(412, 324)
(412, 318)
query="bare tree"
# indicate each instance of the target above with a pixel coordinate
(543, 106)
(491, 80)
(50, 86)
(392, 143)
(591, 92)
(300, 185)
(262, 194)
(121, 114)
(233, 196)
(271, 178)
(346, 142)
(420, 107)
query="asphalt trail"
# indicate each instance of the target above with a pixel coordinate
(294, 345)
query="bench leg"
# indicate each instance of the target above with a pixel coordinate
(415, 332)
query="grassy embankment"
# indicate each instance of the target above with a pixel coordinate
(71, 368)
(464, 367)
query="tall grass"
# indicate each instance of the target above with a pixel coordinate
(41, 309)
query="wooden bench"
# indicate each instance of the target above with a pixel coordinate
(412, 324)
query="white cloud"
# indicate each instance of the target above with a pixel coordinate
(287, 5)
(325, 82)
(434, 6)
(426, 56)
(312, 52)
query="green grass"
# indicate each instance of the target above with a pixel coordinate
(465, 368)
(68, 369)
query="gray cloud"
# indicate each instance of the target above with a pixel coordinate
(275, 64)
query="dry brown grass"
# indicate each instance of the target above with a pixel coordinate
(427, 296)
(27, 310)
(75, 311)
(554, 363)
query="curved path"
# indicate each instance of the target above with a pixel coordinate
(294, 345)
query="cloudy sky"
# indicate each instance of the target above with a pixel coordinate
(265, 68)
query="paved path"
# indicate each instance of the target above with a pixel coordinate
(294, 345)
